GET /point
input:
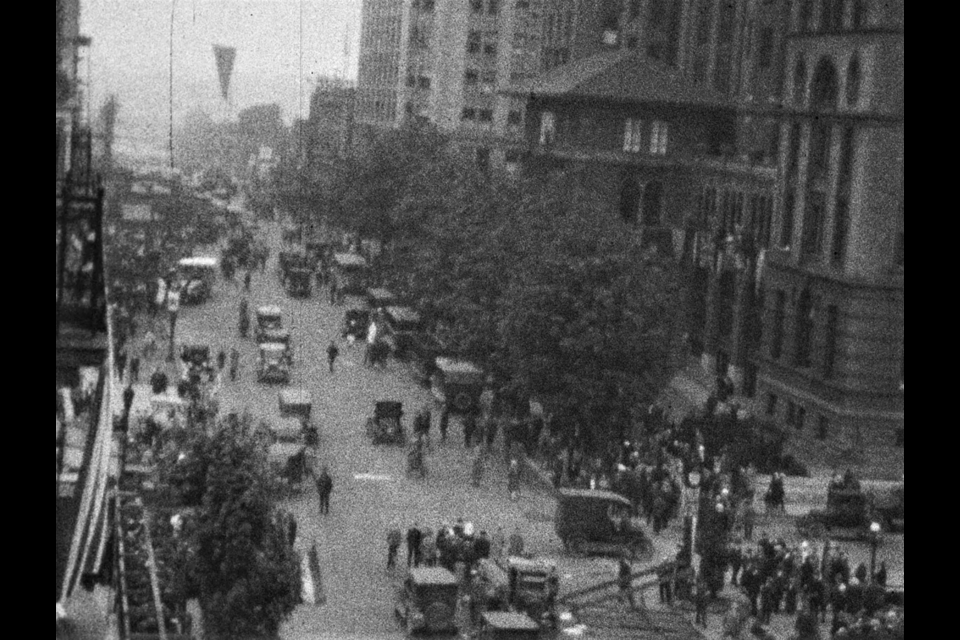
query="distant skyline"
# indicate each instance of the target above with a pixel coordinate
(129, 56)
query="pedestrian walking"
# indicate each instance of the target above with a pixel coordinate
(478, 465)
(517, 545)
(221, 360)
(414, 540)
(121, 363)
(333, 352)
(749, 520)
(135, 369)
(324, 490)
(394, 539)
(246, 281)
(444, 423)
(513, 480)
(491, 433)
(469, 429)
(625, 582)
(292, 529)
(234, 365)
(128, 395)
(702, 600)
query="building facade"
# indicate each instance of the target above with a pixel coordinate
(450, 64)
(762, 144)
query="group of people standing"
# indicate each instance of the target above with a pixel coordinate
(451, 546)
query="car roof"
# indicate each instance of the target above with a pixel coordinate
(503, 620)
(433, 575)
(595, 494)
(403, 314)
(349, 259)
(380, 292)
(295, 396)
(528, 564)
(273, 346)
(269, 310)
(450, 365)
(198, 261)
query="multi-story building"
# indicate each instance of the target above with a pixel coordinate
(832, 356)
(84, 351)
(330, 125)
(782, 198)
(448, 62)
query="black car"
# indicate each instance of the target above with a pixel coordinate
(356, 322)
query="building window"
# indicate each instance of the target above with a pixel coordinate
(832, 339)
(477, 6)
(704, 18)
(490, 50)
(471, 78)
(812, 242)
(806, 15)
(548, 127)
(485, 115)
(515, 118)
(474, 42)
(483, 159)
(800, 418)
(841, 229)
(803, 335)
(633, 135)
(786, 224)
(652, 204)
(791, 413)
(823, 428)
(469, 114)
(800, 83)
(633, 42)
(659, 132)
(423, 82)
(411, 81)
(824, 88)
(779, 316)
(771, 407)
(765, 48)
(820, 139)
(853, 81)
(857, 15)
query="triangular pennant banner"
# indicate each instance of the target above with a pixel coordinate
(225, 57)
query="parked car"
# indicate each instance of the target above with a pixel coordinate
(404, 330)
(457, 384)
(427, 601)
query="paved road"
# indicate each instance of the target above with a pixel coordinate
(371, 490)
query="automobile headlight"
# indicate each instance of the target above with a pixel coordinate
(418, 618)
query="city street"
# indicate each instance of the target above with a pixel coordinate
(372, 492)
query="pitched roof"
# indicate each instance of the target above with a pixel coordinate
(620, 75)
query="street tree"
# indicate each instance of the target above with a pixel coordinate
(245, 573)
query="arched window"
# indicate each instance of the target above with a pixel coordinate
(653, 204)
(800, 83)
(826, 15)
(824, 88)
(804, 329)
(853, 81)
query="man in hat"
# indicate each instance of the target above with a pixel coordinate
(394, 539)
(324, 490)
(414, 540)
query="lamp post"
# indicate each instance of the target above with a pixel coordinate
(875, 533)
(694, 478)
(173, 306)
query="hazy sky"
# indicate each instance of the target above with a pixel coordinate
(130, 55)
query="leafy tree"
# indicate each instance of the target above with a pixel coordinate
(247, 576)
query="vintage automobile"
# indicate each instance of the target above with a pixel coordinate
(298, 403)
(291, 453)
(350, 273)
(356, 322)
(291, 233)
(457, 384)
(274, 363)
(386, 425)
(403, 328)
(852, 510)
(427, 601)
(530, 588)
(197, 355)
(268, 318)
(501, 625)
(599, 522)
(379, 298)
(299, 282)
(197, 276)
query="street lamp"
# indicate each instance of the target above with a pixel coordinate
(173, 306)
(875, 533)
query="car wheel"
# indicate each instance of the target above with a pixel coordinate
(463, 401)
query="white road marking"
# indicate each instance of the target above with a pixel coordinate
(373, 477)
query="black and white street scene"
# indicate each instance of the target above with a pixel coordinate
(480, 320)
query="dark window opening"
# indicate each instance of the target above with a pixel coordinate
(765, 49)
(824, 88)
(806, 15)
(820, 139)
(898, 437)
(823, 428)
(812, 242)
(800, 82)
(630, 194)
(841, 229)
(750, 374)
(804, 330)
(483, 159)
(832, 339)
(786, 225)
(653, 204)
(771, 404)
(853, 81)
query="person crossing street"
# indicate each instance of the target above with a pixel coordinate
(394, 539)
(324, 490)
(333, 352)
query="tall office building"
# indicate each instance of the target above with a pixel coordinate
(448, 62)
